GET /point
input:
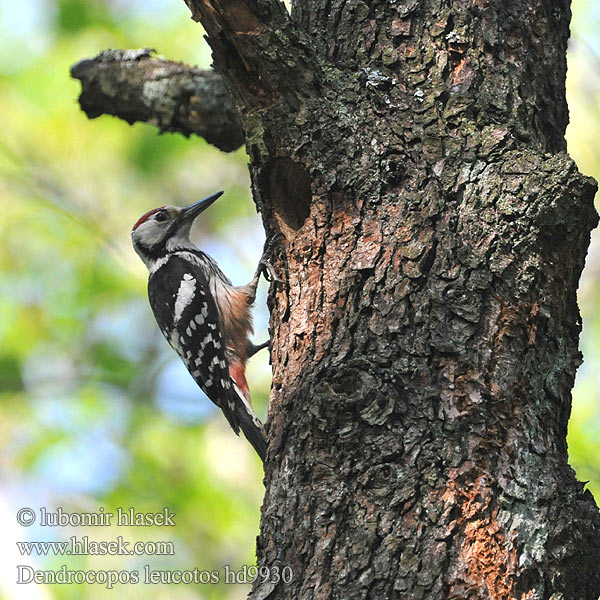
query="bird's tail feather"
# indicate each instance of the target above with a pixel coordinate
(241, 416)
(253, 431)
(250, 424)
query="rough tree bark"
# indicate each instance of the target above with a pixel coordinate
(432, 231)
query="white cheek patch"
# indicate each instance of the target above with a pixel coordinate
(149, 233)
(185, 295)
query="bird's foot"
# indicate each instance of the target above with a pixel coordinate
(266, 269)
(254, 348)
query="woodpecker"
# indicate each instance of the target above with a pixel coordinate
(205, 318)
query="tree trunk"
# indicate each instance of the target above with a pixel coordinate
(412, 156)
(410, 159)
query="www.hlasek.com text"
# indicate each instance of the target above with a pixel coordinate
(85, 547)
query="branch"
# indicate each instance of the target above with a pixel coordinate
(132, 85)
(257, 49)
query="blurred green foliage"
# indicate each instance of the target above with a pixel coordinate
(95, 409)
(583, 133)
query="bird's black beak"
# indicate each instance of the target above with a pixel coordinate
(189, 213)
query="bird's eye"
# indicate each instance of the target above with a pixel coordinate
(161, 216)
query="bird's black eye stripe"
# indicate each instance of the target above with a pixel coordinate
(161, 215)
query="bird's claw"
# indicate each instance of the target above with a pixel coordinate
(254, 348)
(266, 268)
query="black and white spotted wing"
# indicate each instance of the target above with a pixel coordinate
(187, 315)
